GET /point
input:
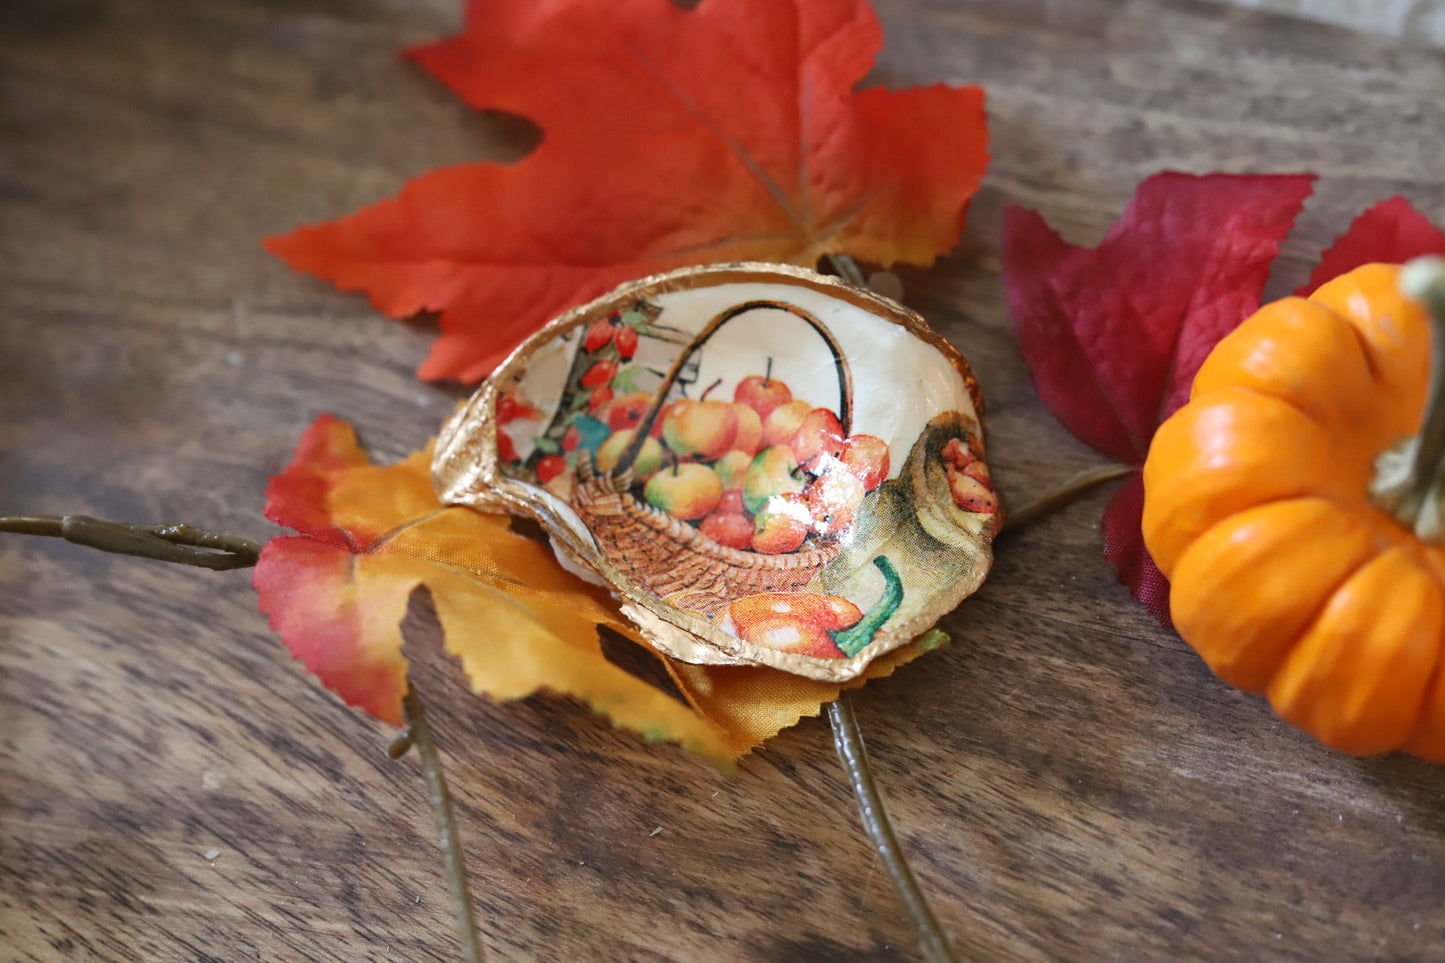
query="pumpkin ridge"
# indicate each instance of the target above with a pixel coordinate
(1286, 524)
(1419, 741)
(1352, 678)
(1195, 484)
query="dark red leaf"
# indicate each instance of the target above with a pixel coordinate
(1391, 232)
(1124, 549)
(1113, 335)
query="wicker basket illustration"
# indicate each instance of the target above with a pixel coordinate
(681, 565)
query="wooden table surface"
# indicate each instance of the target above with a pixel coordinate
(1072, 782)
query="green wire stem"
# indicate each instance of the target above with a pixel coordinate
(848, 740)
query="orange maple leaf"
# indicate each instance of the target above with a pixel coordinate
(671, 137)
(370, 535)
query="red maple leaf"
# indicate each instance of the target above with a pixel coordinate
(671, 137)
(1391, 232)
(1113, 335)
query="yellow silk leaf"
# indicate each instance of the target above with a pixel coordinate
(751, 704)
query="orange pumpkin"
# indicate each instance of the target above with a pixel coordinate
(1303, 564)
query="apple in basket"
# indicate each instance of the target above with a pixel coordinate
(649, 457)
(833, 498)
(866, 456)
(687, 490)
(783, 422)
(782, 524)
(660, 420)
(730, 529)
(773, 472)
(704, 429)
(819, 437)
(732, 467)
(749, 437)
(762, 393)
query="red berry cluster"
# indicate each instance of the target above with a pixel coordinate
(599, 375)
(612, 329)
(509, 409)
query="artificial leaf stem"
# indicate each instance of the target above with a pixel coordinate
(178, 543)
(1047, 504)
(214, 550)
(418, 733)
(848, 269)
(848, 740)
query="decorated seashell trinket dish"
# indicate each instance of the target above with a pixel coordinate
(767, 465)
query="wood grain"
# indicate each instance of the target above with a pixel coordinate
(1073, 783)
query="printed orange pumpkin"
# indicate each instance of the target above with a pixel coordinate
(1298, 516)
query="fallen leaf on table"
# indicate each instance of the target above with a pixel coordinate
(671, 137)
(1392, 232)
(371, 535)
(1114, 334)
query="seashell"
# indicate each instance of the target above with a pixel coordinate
(768, 466)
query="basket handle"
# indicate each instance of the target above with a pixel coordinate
(840, 366)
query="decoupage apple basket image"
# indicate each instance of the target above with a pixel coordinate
(774, 479)
(773, 528)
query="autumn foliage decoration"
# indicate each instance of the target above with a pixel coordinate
(370, 536)
(670, 137)
(1113, 335)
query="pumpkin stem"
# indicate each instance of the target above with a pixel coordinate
(1409, 478)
